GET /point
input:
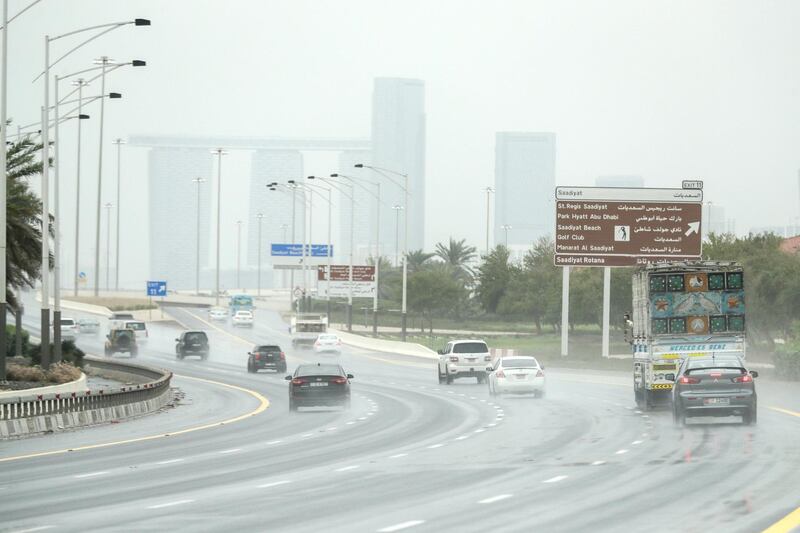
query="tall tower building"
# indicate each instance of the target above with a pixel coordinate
(398, 143)
(173, 213)
(525, 177)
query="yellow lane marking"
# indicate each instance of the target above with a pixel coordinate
(262, 406)
(788, 523)
(784, 411)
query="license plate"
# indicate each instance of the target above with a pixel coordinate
(196, 345)
(520, 376)
(472, 358)
(717, 401)
(320, 384)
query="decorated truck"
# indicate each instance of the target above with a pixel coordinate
(306, 327)
(680, 310)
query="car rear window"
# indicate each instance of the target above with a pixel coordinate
(470, 347)
(67, 322)
(197, 336)
(328, 337)
(526, 362)
(136, 326)
(268, 348)
(319, 370)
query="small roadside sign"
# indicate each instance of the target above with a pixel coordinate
(156, 288)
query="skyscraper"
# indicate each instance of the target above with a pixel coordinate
(398, 143)
(525, 180)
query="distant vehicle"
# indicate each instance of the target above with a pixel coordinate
(306, 327)
(218, 314)
(318, 385)
(243, 319)
(266, 356)
(240, 302)
(516, 375)
(328, 342)
(139, 327)
(463, 359)
(121, 316)
(121, 341)
(88, 326)
(69, 329)
(715, 386)
(192, 343)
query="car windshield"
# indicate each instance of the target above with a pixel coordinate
(88, 322)
(328, 337)
(67, 322)
(319, 370)
(136, 326)
(267, 348)
(470, 347)
(522, 362)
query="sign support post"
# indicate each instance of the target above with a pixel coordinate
(565, 312)
(606, 311)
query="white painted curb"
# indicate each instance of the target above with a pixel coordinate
(79, 385)
(381, 345)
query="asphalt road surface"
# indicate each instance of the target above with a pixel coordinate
(409, 455)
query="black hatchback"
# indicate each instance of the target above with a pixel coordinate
(266, 356)
(319, 385)
(192, 343)
(715, 386)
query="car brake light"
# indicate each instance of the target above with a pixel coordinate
(687, 380)
(487, 357)
(298, 381)
(715, 375)
(258, 356)
(453, 359)
(340, 381)
(500, 374)
(283, 356)
(744, 378)
(316, 343)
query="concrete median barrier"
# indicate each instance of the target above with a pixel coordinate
(381, 345)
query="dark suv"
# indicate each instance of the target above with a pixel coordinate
(192, 343)
(266, 356)
(714, 386)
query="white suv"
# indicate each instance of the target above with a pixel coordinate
(69, 329)
(463, 359)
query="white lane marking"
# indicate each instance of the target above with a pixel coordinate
(644, 434)
(170, 461)
(332, 428)
(362, 418)
(398, 455)
(279, 441)
(432, 446)
(169, 504)
(401, 525)
(370, 413)
(462, 437)
(450, 392)
(496, 498)
(620, 452)
(484, 401)
(232, 450)
(91, 474)
(274, 484)
(645, 416)
(555, 479)
(346, 468)
(479, 430)
(436, 389)
(598, 463)
(307, 435)
(350, 423)
(490, 425)
(638, 412)
(636, 442)
(32, 529)
(471, 397)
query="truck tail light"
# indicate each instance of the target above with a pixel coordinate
(453, 359)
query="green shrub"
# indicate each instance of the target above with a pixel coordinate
(787, 363)
(69, 354)
(11, 342)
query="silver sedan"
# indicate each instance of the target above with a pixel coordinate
(516, 375)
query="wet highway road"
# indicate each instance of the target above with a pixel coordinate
(410, 455)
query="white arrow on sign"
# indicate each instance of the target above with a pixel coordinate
(694, 227)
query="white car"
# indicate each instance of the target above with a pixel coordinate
(328, 342)
(516, 375)
(463, 359)
(69, 329)
(218, 314)
(88, 326)
(243, 319)
(139, 327)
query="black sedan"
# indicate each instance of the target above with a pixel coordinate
(266, 356)
(319, 385)
(715, 386)
(192, 343)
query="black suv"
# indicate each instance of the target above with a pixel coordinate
(266, 356)
(192, 343)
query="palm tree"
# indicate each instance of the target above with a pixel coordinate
(458, 255)
(23, 219)
(417, 260)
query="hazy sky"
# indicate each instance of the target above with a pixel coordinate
(668, 90)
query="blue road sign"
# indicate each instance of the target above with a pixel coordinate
(156, 288)
(296, 250)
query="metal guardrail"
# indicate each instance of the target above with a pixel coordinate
(30, 405)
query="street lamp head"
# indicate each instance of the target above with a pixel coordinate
(359, 165)
(138, 63)
(141, 22)
(103, 60)
(311, 177)
(83, 117)
(260, 215)
(334, 175)
(291, 181)
(115, 95)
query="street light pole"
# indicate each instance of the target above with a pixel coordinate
(397, 209)
(80, 82)
(119, 142)
(260, 217)
(3, 192)
(108, 207)
(219, 152)
(489, 191)
(506, 227)
(198, 181)
(104, 60)
(239, 254)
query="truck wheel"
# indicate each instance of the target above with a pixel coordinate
(646, 405)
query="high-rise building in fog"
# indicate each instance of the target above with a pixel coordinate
(398, 143)
(173, 213)
(525, 168)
